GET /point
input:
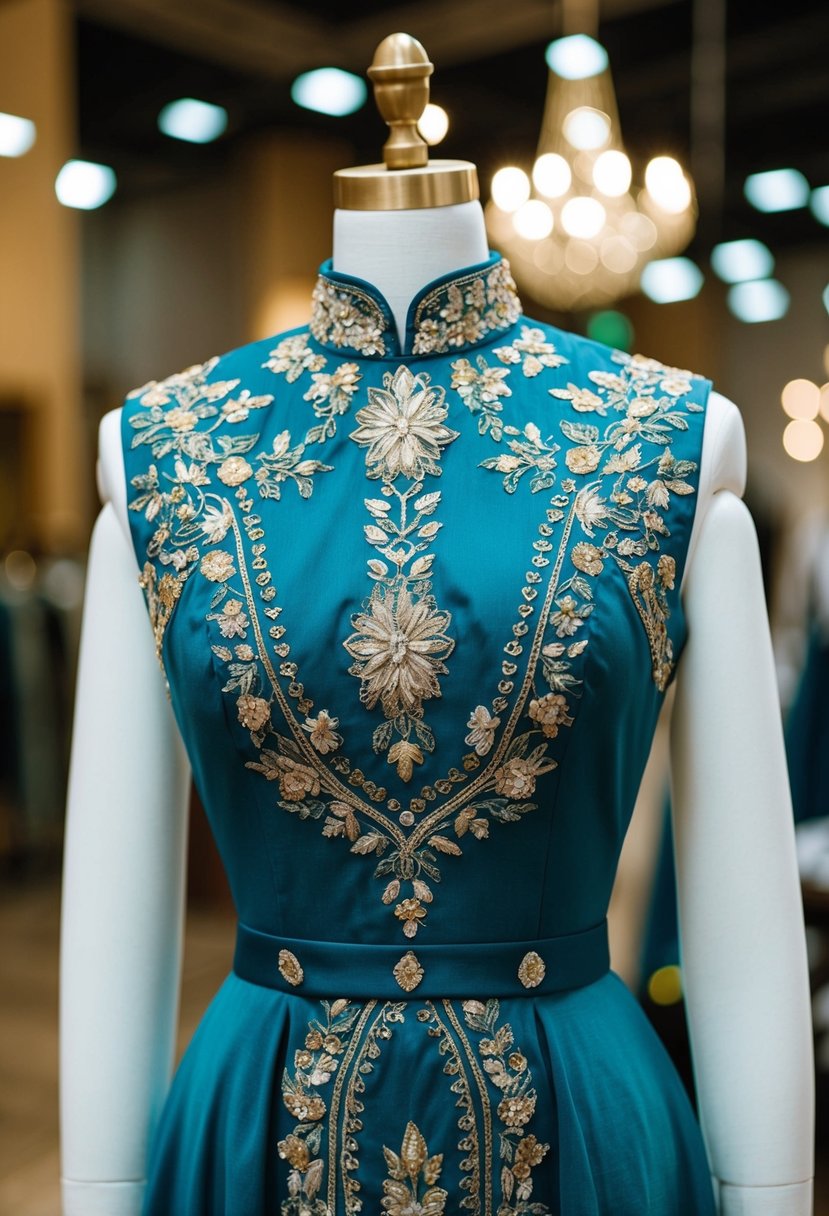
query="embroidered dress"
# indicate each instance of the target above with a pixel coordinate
(417, 609)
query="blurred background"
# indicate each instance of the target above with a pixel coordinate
(657, 171)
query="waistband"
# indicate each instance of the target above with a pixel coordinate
(467, 970)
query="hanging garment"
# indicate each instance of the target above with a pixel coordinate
(417, 610)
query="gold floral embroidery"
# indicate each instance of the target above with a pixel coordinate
(380, 1031)
(508, 1071)
(331, 394)
(403, 426)
(402, 1188)
(528, 451)
(293, 356)
(343, 315)
(480, 391)
(532, 351)
(285, 463)
(400, 644)
(329, 1043)
(465, 310)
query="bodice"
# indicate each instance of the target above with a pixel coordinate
(417, 608)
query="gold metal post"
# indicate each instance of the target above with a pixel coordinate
(407, 179)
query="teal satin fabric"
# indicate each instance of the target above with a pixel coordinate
(417, 611)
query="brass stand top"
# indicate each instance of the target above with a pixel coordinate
(407, 179)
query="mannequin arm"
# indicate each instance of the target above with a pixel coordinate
(743, 946)
(122, 892)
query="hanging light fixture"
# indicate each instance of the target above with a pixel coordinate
(579, 229)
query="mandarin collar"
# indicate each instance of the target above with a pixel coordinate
(456, 312)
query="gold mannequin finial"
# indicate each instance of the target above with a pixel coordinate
(407, 180)
(400, 74)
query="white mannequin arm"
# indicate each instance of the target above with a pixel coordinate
(743, 947)
(123, 889)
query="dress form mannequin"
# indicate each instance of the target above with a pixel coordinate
(742, 932)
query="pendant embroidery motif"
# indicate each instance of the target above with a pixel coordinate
(400, 643)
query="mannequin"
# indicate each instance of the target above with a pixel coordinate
(741, 921)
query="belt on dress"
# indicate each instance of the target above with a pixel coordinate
(465, 969)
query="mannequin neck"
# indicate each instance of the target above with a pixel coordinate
(400, 252)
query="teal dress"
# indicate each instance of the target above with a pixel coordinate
(417, 609)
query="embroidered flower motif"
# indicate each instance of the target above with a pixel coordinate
(516, 778)
(253, 712)
(295, 779)
(399, 645)
(215, 522)
(330, 394)
(582, 399)
(323, 732)
(284, 463)
(532, 350)
(410, 912)
(583, 459)
(480, 392)
(402, 1189)
(233, 622)
(403, 426)
(305, 1107)
(293, 356)
(234, 471)
(217, 566)
(550, 712)
(587, 558)
(482, 729)
(569, 616)
(515, 1112)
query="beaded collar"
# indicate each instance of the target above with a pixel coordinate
(456, 312)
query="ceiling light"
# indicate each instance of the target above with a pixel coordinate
(667, 184)
(826, 299)
(433, 123)
(803, 439)
(576, 57)
(583, 217)
(196, 122)
(552, 175)
(740, 261)
(777, 190)
(329, 91)
(84, 184)
(510, 188)
(819, 204)
(611, 173)
(801, 399)
(761, 300)
(586, 128)
(533, 220)
(669, 280)
(16, 135)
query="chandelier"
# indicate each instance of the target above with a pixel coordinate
(579, 231)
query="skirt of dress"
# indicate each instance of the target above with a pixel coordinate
(563, 1104)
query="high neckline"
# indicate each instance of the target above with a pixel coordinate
(455, 312)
